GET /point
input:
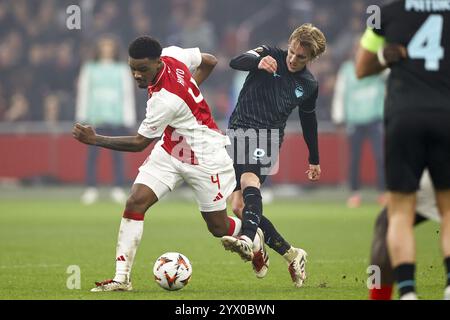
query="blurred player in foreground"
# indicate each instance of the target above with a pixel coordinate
(277, 83)
(414, 42)
(425, 210)
(191, 149)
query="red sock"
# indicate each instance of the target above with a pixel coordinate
(133, 215)
(384, 293)
(234, 226)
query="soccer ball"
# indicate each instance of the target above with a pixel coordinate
(172, 271)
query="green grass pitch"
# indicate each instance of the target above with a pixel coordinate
(40, 239)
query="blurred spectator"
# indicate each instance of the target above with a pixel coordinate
(141, 21)
(359, 105)
(3, 105)
(175, 23)
(64, 67)
(197, 31)
(44, 24)
(106, 100)
(107, 19)
(354, 27)
(236, 86)
(39, 56)
(51, 109)
(325, 73)
(193, 29)
(5, 19)
(19, 109)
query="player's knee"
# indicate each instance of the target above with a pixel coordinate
(249, 180)
(136, 203)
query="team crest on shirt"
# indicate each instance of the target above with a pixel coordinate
(299, 91)
(259, 50)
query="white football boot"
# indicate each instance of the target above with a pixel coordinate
(111, 285)
(409, 296)
(297, 267)
(447, 293)
(242, 245)
(260, 261)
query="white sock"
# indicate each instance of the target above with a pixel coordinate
(257, 243)
(235, 226)
(235, 229)
(130, 234)
(290, 255)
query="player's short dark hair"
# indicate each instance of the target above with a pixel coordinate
(144, 47)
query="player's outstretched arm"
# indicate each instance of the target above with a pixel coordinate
(251, 59)
(87, 135)
(205, 68)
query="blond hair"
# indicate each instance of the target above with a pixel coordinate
(311, 38)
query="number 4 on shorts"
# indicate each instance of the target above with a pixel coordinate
(215, 179)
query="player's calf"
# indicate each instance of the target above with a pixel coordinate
(219, 224)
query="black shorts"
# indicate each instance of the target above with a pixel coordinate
(254, 151)
(414, 142)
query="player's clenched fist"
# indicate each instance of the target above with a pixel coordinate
(313, 172)
(268, 64)
(391, 53)
(85, 134)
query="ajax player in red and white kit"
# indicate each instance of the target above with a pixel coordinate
(191, 148)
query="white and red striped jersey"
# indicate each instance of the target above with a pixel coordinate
(177, 110)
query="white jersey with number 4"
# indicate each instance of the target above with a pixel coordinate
(177, 111)
(192, 149)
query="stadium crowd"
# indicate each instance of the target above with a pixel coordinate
(40, 57)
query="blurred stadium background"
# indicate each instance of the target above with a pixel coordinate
(40, 61)
(43, 226)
